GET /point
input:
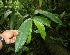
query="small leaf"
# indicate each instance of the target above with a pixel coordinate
(12, 21)
(43, 20)
(29, 38)
(62, 15)
(41, 28)
(49, 15)
(8, 12)
(40, 2)
(24, 31)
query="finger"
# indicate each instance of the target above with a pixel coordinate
(8, 41)
(14, 38)
(12, 41)
(15, 32)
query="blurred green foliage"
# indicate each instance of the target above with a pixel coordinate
(57, 40)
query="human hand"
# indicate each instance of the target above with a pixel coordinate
(9, 36)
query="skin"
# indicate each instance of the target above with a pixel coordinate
(9, 36)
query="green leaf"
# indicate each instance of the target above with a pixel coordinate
(21, 19)
(41, 28)
(1, 3)
(62, 15)
(29, 38)
(12, 21)
(43, 20)
(40, 2)
(49, 15)
(24, 31)
(8, 12)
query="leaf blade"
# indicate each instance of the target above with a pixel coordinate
(28, 39)
(41, 28)
(43, 20)
(24, 31)
(49, 15)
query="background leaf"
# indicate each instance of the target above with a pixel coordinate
(8, 12)
(40, 2)
(49, 15)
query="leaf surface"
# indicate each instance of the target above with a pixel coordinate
(24, 31)
(41, 28)
(53, 17)
(43, 20)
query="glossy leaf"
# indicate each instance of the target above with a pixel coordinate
(43, 20)
(41, 28)
(49, 15)
(24, 31)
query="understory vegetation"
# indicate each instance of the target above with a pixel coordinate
(43, 26)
